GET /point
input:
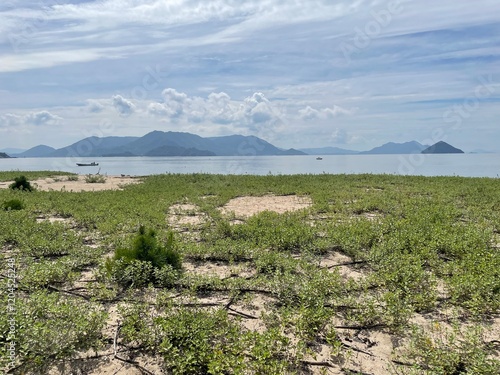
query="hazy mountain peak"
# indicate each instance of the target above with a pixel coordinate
(442, 148)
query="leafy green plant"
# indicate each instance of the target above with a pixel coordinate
(13, 204)
(50, 327)
(285, 232)
(450, 351)
(194, 342)
(146, 261)
(21, 183)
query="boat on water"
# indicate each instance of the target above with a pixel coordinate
(319, 158)
(93, 164)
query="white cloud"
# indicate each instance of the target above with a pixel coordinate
(10, 119)
(42, 118)
(309, 113)
(32, 118)
(217, 108)
(94, 106)
(158, 109)
(123, 106)
(174, 102)
(35, 60)
(336, 111)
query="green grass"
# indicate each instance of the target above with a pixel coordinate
(31, 175)
(427, 247)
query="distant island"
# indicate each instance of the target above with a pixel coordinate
(159, 143)
(390, 148)
(442, 148)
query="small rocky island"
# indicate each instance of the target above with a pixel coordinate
(442, 148)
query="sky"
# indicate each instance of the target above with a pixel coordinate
(349, 73)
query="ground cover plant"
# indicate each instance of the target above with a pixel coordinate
(13, 204)
(379, 275)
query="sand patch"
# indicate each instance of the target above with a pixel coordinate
(62, 183)
(254, 305)
(379, 346)
(371, 216)
(184, 216)
(244, 207)
(336, 261)
(55, 219)
(219, 269)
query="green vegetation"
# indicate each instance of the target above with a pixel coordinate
(95, 179)
(21, 183)
(31, 175)
(413, 259)
(13, 204)
(146, 261)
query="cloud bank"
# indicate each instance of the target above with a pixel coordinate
(304, 72)
(217, 108)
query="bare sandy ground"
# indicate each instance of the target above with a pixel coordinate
(62, 183)
(244, 207)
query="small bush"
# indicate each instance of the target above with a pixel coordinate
(21, 183)
(72, 178)
(146, 261)
(13, 204)
(95, 179)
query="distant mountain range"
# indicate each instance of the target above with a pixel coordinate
(158, 143)
(412, 147)
(36, 152)
(328, 151)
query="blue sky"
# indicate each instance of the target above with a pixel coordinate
(351, 74)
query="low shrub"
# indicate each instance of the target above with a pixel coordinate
(21, 183)
(13, 204)
(146, 261)
(95, 179)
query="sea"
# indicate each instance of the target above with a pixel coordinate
(465, 165)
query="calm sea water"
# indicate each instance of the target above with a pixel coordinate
(467, 165)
